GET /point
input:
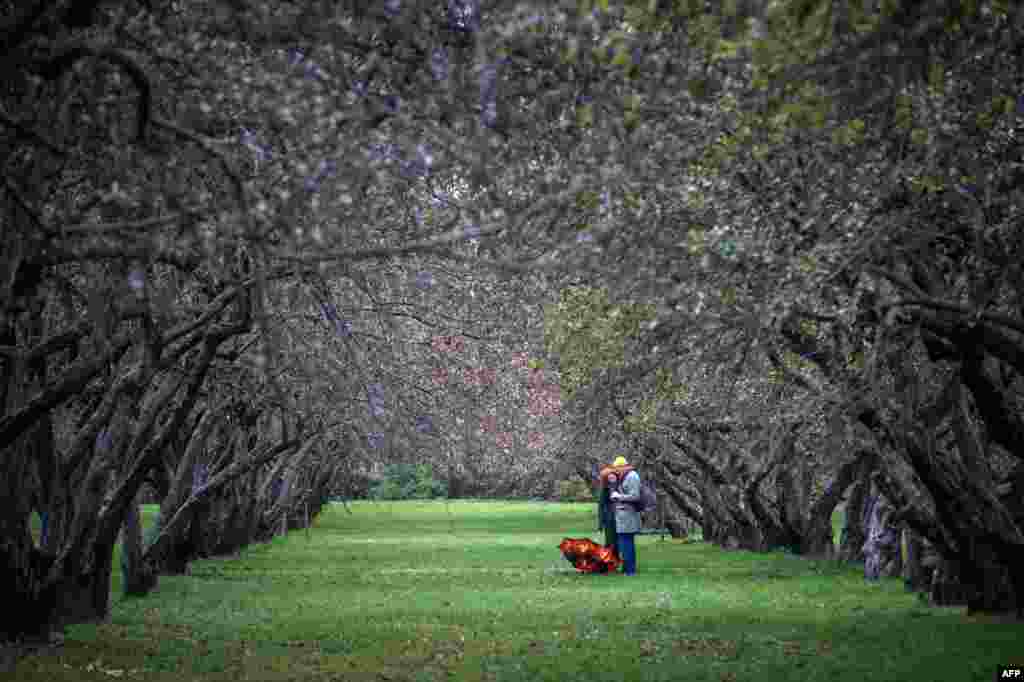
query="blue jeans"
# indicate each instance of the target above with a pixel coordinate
(627, 550)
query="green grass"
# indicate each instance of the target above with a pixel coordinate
(423, 592)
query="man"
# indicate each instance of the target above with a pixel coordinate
(627, 518)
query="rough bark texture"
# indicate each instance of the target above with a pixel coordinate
(977, 538)
(683, 513)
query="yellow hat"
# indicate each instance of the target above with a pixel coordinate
(620, 461)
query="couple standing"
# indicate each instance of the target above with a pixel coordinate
(617, 510)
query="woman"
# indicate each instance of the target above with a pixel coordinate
(606, 512)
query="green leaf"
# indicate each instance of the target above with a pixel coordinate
(904, 113)
(725, 49)
(588, 333)
(937, 77)
(695, 241)
(697, 87)
(585, 115)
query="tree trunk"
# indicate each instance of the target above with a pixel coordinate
(29, 608)
(817, 538)
(916, 576)
(882, 547)
(676, 524)
(139, 577)
(725, 523)
(851, 545)
(217, 484)
(948, 588)
(455, 483)
(781, 532)
(226, 524)
(182, 547)
(683, 513)
(995, 586)
(38, 604)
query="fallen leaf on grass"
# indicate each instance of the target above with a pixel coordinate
(97, 666)
(648, 648)
(705, 647)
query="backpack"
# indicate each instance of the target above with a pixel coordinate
(648, 498)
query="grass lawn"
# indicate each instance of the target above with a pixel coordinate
(424, 591)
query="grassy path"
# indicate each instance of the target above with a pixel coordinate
(423, 592)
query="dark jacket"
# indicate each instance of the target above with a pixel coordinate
(606, 515)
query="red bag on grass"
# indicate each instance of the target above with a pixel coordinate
(589, 557)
